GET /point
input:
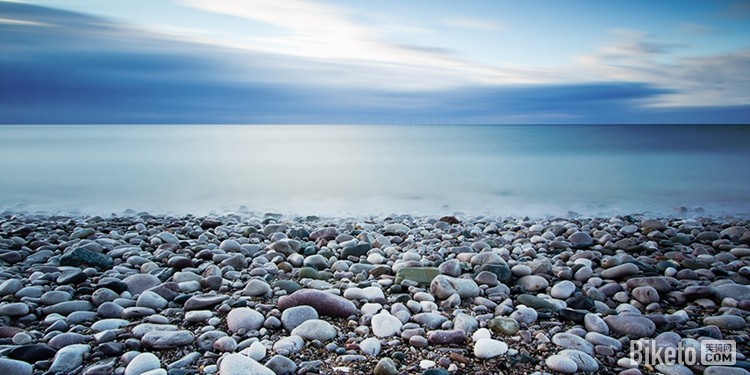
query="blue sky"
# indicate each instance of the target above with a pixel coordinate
(304, 61)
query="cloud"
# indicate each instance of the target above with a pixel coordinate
(88, 70)
(319, 32)
(717, 80)
(475, 24)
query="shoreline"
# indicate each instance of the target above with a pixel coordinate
(386, 295)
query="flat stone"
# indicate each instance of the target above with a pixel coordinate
(244, 318)
(620, 271)
(294, 316)
(385, 366)
(533, 283)
(256, 287)
(167, 339)
(561, 364)
(13, 367)
(584, 362)
(142, 363)
(204, 301)
(10, 286)
(633, 326)
(14, 309)
(315, 329)
(84, 257)
(69, 358)
(385, 324)
(660, 283)
(238, 364)
(645, 295)
(571, 341)
(727, 322)
(138, 283)
(281, 365)
(563, 289)
(151, 300)
(443, 286)
(594, 323)
(447, 337)
(489, 348)
(580, 240)
(737, 291)
(420, 275)
(325, 304)
(32, 353)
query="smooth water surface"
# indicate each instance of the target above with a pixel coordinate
(375, 170)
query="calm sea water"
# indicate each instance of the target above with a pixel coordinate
(376, 170)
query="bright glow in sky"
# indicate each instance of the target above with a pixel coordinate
(251, 61)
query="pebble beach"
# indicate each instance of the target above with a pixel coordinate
(271, 294)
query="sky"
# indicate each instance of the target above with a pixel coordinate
(411, 62)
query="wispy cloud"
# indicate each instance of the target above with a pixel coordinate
(476, 24)
(324, 32)
(718, 80)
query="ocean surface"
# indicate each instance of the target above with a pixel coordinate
(376, 170)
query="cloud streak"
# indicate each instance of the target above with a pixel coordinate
(64, 67)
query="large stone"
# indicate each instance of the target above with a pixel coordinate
(385, 324)
(395, 229)
(238, 364)
(420, 275)
(561, 364)
(660, 283)
(140, 282)
(204, 301)
(315, 329)
(533, 283)
(489, 348)
(620, 271)
(294, 316)
(727, 322)
(10, 286)
(14, 309)
(167, 339)
(84, 257)
(563, 289)
(584, 362)
(69, 358)
(443, 287)
(570, 341)
(580, 240)
(244, 318)
(634, 326)
(142, 363)
(13, 367)
(326, 304)
(736, 291)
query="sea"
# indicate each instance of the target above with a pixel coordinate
(376, 170)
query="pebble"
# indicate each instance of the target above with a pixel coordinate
(533, 283)
(727, 322)
(488, 348)
(69, 358)
(10, 366)
(220, 295)
(244, 319)
(238, 364)
(325, 304)
(385, 324)
(315, 329)
(142, 363)
(563, 289)
(167, 339)
(561, 364)
(443, 286)
(630, 325)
